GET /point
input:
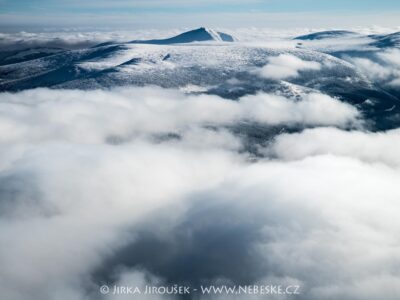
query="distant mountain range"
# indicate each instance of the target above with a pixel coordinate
(378, 40)
(326, 35)
(212, 62)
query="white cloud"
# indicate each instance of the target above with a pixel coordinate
(87, 174)
(319, 215)
(313, 109)
(395, 82)
(73, 39)
(97, 116)
(141, 281)
(386, 68)
(286, 66)
(368, 147)
(391, 56)
(372, 69)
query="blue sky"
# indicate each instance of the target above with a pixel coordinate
(161, 13)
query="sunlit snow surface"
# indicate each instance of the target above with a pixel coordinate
(353, 66)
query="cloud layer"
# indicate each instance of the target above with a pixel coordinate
(286, 66)
(41, 115)
(141, 186)
(383, 67)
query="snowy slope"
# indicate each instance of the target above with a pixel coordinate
(167, 65)
(326, 35)
(16, 56)
(385, 41)
(200, 61)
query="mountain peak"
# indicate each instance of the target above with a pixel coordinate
(202, 34)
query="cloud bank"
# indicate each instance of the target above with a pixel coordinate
(141, 186)
(383, 67)
(286, 66)
(41, 115)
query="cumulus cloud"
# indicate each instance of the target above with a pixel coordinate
(149, 186)
(254, 228)
(286, 66)
(85, 197)
(391, 56)
(115, 116)
(384, 67)
(314, 109)
(372, 69)
(368, 147)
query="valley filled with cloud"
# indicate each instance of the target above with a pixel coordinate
(135, 162)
